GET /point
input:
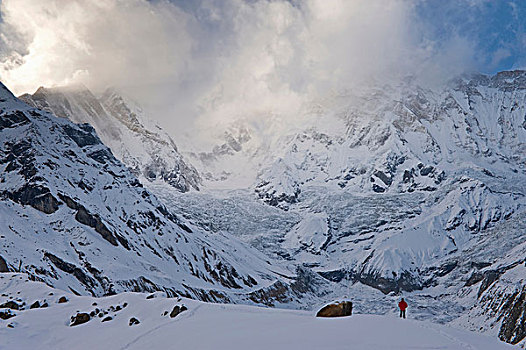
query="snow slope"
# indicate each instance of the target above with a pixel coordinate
(206, 326)
(75, 217)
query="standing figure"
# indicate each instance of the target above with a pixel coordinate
(402, 305)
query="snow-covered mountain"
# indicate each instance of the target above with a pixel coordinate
(388, 181)
(398, 187)
(75, 217)
(121, 124)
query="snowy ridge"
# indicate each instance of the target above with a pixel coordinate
(121, 124)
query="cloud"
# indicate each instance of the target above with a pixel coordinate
(213, 61)
(499, 55)
(98, 43)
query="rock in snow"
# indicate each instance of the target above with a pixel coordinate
(339, 309)
(216, 326)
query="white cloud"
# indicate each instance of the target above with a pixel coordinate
(98, 42)
(223, 60)
(499, 55)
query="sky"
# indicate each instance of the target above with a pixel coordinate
(496, 29)
(207, 61)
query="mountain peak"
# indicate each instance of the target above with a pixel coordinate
(72, 90)
(6, 94)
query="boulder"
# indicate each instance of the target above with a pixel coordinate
(80, 318)
(6, 314)
(177, 310)
(62, 300)
(339, 309)
(10, 305)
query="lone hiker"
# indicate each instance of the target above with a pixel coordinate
(402, 305)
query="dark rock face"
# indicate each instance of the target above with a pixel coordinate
(71, 269)
(387, 180)
(35, 305)
(94, 221)
(408, 176)
(488, 279)
(12, 120)
(102, 156)
(221, 273)
(378, 189)
(20, 157)
(83, 137)
(404, 281)
(133, 321)
(306, 282)
(3, 265)
(38, 197)
(475, 278)
(86, 218)
(513, 328)
(62, 300)
(79, 318)
(340, 309)
(277, 292)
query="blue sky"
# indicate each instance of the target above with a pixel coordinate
(496, 29)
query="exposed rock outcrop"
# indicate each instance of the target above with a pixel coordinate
(338, 309)
(3, 265)
(513, 328)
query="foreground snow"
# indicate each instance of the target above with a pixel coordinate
(206, 326)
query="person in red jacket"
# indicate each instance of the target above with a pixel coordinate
(402, 305)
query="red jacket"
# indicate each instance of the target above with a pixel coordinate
(402, 305)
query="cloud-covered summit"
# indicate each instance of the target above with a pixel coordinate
(219, 60)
